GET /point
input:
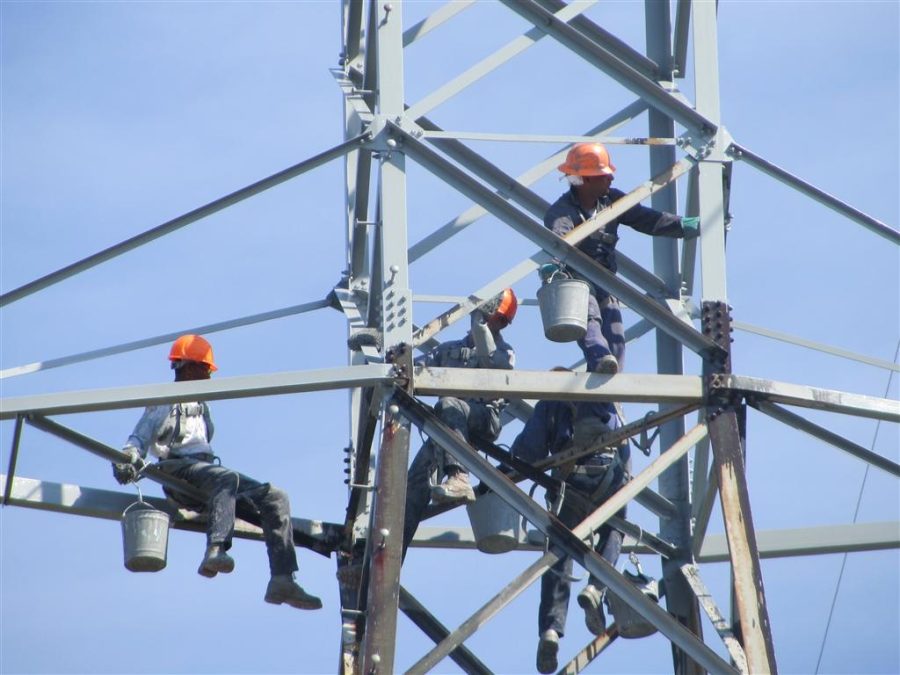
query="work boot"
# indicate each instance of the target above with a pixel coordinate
(455, 488)
(283, 589)
(215, 560)
(608, 365)
(591, 601)
(547, 650)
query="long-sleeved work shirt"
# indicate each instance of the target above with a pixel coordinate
(179, 429)
(566, 213)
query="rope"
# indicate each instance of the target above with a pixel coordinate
(837, 587)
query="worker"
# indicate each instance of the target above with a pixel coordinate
(471, 418)
(558, 426)
(179, 436)
(590, 173)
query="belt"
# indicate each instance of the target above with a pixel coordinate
(198, 456)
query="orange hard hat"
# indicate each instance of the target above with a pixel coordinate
(503, 304)
(588, 159)
(192, 348)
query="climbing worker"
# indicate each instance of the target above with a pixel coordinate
(589, 172)
(179, 436)
(471, 418)
(554, 427)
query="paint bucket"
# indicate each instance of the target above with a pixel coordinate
(145, 537)
(495, 524)
(629, 622)
(564, 308)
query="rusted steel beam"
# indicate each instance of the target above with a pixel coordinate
(725, 438)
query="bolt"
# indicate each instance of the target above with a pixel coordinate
(388, 7)
(392, 143)
(393, 409)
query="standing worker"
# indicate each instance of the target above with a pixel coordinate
(482, 347)
(179, 435)
(558, 426)
(590, 174)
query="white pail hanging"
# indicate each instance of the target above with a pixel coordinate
(494, 523)
(145, 537)
(564, 308)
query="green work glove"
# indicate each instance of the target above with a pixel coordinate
(691, 226)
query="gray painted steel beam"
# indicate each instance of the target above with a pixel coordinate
(435, 630)
(621, 50)
(557, 246)
(818, 346)
(691, 574)
(821, 540)
(76, 500)
(858, 451)
(565, 538)
(440, 16)
(292, 382)
(617, 69)
(541, 384)
(492, 62)
(835, 204)
(813, 397)
(160, 339)
(179, 222)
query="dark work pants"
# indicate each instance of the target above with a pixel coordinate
(232, 493)
(467, 418)
(605, 332)
(555, 584)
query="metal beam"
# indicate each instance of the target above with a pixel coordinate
(435, 19)
(492, 62)
(160, 339)
(822, 540)
(691, 574)
(561, 386)
(186, 219)
(568, 541)
(557, 246)
(813, 397)
(858, 451)
(833, 203)
(617, 69)
(434, 629)
(275, 384)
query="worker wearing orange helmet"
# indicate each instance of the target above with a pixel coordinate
(590, 173)
(179, 435)
(482, 347)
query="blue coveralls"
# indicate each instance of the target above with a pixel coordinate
(179, 436)
(554, 427)
(605, 332)
(470, 418)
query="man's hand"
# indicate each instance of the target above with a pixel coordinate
(691, 226)
(548, 270)
(125, 473)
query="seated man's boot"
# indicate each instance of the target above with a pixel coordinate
(282, 589)
(591, 601)
(215, 560)
(455, 488)
(608, 365)
(547, 651)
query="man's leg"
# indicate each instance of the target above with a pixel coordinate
(613, 328)
(418, 491)
(222, 485)
(456, 414)
(595, 345)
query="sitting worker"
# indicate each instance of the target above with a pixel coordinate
(590, 173)
(482, 347)
(179, 436)
(558, 426)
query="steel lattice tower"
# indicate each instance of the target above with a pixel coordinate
(684, 298)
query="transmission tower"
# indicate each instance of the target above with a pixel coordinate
(684, 299)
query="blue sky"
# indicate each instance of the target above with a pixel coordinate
(116, 117)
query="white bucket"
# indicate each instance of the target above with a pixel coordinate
(629, 622)
(145, 537)
(494, 523)
(564, 308)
